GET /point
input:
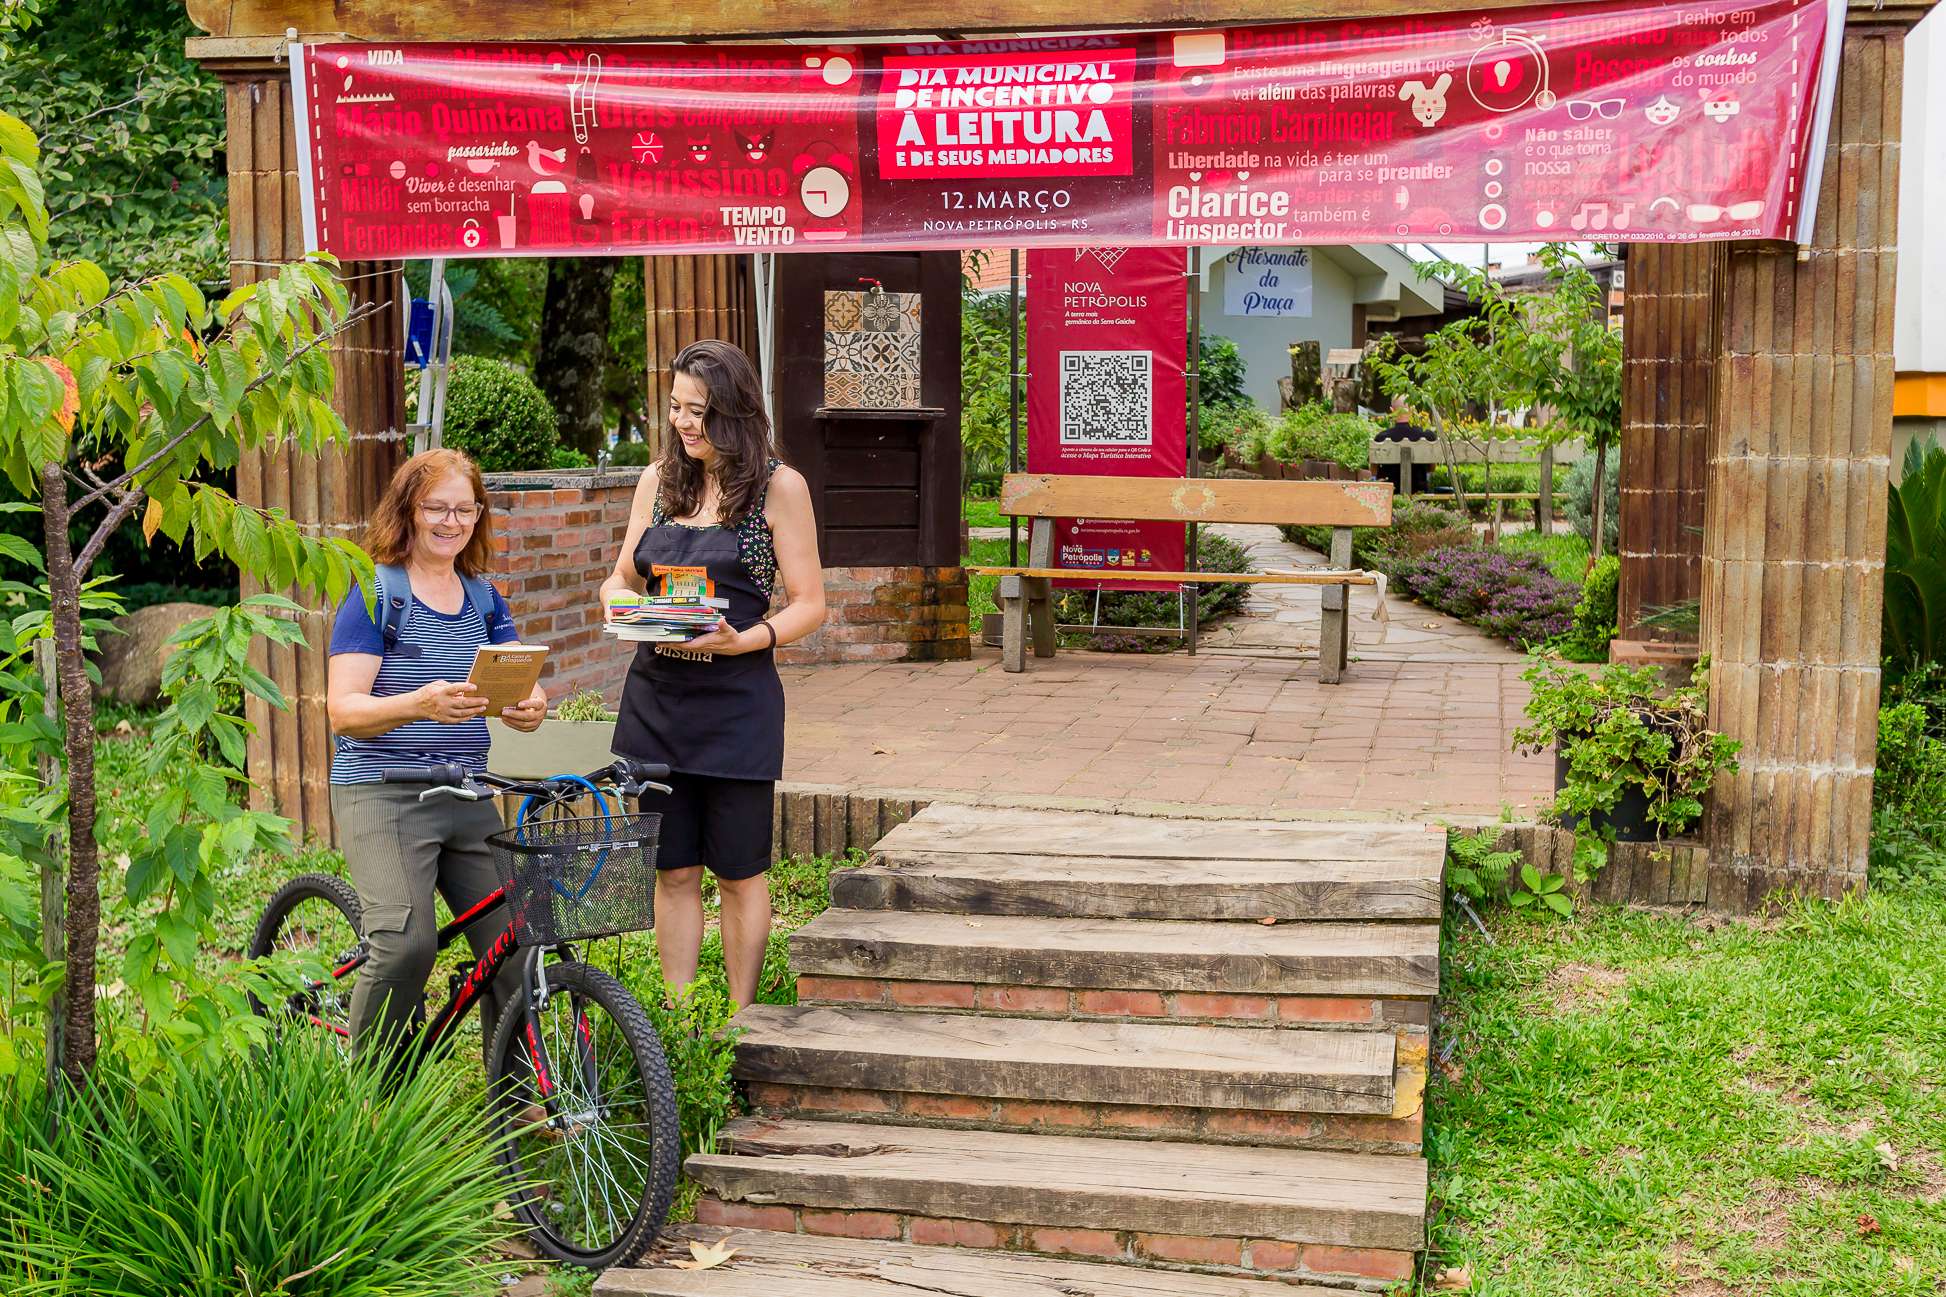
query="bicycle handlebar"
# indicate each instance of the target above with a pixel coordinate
(626, 773)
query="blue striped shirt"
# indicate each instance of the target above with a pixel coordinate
(432, 646)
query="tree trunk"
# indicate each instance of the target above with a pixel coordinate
(1598, 507)
(53, 911)
(84, 857)
(574, 346)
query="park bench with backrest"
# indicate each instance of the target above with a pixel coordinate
(1398, 459)
(1026, 593)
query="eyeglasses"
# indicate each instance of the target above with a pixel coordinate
(1582, 109)
(457, 512)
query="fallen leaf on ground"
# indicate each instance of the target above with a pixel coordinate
(1888, 1157)
(1429, 625)
(880, 750)
(1457, 1278)
(1269, 920)
(1903, 1264)
(1867, 1225)
(708, 1256)
(124, 729)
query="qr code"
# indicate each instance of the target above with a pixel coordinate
(1105, 398)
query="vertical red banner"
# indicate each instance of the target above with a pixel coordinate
(1107, 331)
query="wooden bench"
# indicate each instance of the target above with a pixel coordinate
(1026, 593)
(1402, 456)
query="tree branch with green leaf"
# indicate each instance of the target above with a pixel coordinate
(114, 400)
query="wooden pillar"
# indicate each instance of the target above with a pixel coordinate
(1667, 345)
(1794, 530)
(710, 295)
(329, 494)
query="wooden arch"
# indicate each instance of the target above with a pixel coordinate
(1760, 396)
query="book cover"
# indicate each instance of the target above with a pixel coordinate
(506, 673)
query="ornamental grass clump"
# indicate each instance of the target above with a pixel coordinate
(1513, 596)
(290, 1170)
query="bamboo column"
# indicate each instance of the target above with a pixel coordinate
(1794, 523)
(1666, 351)
(290, 752)
(709, 295)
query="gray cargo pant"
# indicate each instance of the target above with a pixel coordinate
(398, 850)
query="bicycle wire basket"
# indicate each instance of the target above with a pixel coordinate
(577, 879)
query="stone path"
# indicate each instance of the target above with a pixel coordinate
(1284, 619)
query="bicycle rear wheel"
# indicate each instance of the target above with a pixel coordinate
(594, 1180)
(317, 915)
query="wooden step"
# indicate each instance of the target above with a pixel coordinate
(1001, 830)
(1076, 1062)
(1385, 960)
(769, 1264)
(1343, 1215)
(1403, 886)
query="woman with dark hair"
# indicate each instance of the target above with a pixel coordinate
(719, 515)
(397, 694)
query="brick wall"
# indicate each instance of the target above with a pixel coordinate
(557, 535)
(888, 614)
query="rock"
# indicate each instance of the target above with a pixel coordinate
(131, 662)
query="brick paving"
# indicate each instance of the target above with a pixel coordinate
(1239, 733)
(1419, 726)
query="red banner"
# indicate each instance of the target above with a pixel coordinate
(1651, 122)
(1107, 329)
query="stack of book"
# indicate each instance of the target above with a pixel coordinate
(668, 619)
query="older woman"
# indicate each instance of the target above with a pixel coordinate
(398, 696)
(718, 515)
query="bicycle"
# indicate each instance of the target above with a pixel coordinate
(590, 1149)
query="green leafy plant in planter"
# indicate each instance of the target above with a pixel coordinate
(584, 705)
(1620, 735)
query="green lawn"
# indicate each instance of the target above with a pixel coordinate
(979, 589)
(1565, 553)
(983, 513)
(1634, 1104)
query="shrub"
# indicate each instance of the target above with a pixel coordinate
(1594, 615)
(569, 457)
(1239, 426)
(1315, 431)
(1158, 607)
(1418, 527)
(1512, 596)
(1578, 488)
(1219, 372)
(1915, 563)
(495, 414)
(241, 1174)
(631, 454)
(700, 1044)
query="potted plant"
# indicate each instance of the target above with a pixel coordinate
(1633, 760)
(577, 737)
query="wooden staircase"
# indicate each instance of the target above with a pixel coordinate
(1028, 1043)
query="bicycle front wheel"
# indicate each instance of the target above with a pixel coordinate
(593, 1180)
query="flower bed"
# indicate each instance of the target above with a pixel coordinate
(1514, 596)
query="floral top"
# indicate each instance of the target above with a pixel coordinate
(755, 545)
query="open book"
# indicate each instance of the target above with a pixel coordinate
(507, 673)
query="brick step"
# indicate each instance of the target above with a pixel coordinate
(770, 1264)
(1345, 961)
(1327, 1217)
(1152, 1064)
(1404, 885)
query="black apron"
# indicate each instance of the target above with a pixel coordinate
(720, 715)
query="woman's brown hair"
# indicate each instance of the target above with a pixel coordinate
(736, 425)
(388, 534)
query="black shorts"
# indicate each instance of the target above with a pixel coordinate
(722, 824)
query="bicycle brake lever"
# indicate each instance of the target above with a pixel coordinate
(468, 793)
